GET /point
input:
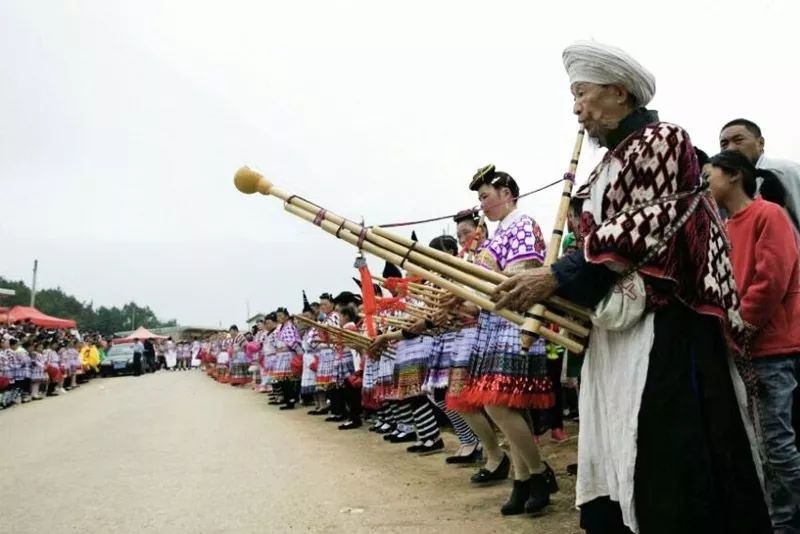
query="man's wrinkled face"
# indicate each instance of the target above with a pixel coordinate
(739, 138)
(600, 108)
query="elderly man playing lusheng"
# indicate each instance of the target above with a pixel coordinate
(665, 444)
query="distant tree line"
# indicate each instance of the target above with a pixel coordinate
(90, 319)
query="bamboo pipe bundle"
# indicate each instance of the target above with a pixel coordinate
(336, 331)
(433, 300)
(393, 321)
(415, 288)
(468, 270)
(249, 181)
(342, 335)
(554, 246)
(419, 311)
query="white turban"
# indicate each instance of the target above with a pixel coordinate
(592, 62)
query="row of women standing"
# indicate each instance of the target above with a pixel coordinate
(474, 373)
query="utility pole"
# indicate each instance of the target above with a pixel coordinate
(33, 285)
(247, 305)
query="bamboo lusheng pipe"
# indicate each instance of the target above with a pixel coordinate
(419, 311)
(393, 321)
(336, 331)
(412, 252)
(561, 219)
(432, 298)
(476, 271)
(249, 181)
(414, 287)
(433, 301)
(453, 287)
(345, 336)
(465, 278)
(455, 273)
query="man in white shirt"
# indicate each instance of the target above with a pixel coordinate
(745, 136)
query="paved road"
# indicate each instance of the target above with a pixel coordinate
(179, 453)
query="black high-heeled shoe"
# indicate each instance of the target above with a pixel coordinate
(433, 448)
(541, 486)
(501, 473)
(520, 494)
(471, 458)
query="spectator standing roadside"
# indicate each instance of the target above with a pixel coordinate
(150, 355)
(138, 352)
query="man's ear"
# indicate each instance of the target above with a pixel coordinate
(619, 92)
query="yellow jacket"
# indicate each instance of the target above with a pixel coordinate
(90, 357)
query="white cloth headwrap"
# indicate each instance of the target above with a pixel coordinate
(592, 62)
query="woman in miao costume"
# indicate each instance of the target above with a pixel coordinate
(502, 381)
(287, 346)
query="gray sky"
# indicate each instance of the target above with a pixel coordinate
(122, 123)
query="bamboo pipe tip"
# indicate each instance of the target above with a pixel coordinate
(250, 181)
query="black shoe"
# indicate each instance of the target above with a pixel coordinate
(572, 469)
(387, 431)
(350, 425)
(274, 403)
(335, 419)
(516, 503)
(287, 407)
(472, 458)
(501, 473)
(375, 428)
(541, 486)
(417, 447)
(403, 438)
(390, 434)
(436, 446)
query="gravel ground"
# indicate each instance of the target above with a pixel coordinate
(179, 453)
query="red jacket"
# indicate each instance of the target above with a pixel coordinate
(766, 265)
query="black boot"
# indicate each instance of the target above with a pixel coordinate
(542, 485)
(516, 503)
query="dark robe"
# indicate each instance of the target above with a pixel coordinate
(694, 469)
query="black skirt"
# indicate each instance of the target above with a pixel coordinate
(694, 469)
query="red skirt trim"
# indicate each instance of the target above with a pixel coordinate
(511, 391)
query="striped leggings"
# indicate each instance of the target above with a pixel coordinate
(465, 434)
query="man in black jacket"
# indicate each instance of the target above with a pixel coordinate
(150, 355)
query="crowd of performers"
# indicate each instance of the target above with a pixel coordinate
(464, 365)
(38, 362)
(690, 265)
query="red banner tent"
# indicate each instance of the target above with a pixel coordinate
(19, 314)
(139, 333)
